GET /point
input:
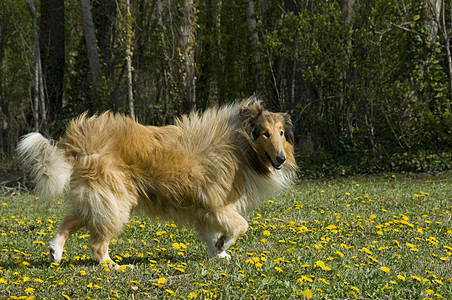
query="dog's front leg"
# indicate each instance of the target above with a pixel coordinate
(220, 229)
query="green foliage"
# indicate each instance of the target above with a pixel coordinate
(224, 55)
(370, 89)
(362, 89)
(16, 69)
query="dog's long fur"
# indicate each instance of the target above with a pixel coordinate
(208, 170)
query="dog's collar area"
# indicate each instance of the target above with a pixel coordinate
(277, 167)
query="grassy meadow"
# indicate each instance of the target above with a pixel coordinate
(376, 237)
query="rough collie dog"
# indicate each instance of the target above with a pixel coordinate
(209, 170)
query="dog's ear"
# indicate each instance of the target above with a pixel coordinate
(288, 128)
(249, 115)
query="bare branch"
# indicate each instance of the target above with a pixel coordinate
(409, 30)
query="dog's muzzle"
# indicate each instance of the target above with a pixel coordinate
(280, 159)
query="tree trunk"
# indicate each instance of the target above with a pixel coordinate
(347, 9)
(187, 58)
(129, 61)
(52, 50)
(251, 21)
(4, 105)
(91, 46)
(433, 18)
(38, 86)
(446, 36)
(167, 61)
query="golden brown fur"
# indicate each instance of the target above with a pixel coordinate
(208, 170)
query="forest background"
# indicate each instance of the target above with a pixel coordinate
(368, 83)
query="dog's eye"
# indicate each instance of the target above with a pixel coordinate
(266, 134)
(281, 133)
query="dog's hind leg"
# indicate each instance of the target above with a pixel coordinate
(102, 230)
(100, 236)
(70, 224)
(99, 246)
(99, 242)
(221, 229)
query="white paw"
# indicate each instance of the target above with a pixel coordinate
(108, 264)
(55, 252)
(123, 267)
(224, 255)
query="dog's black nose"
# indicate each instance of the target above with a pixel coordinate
(281, 158)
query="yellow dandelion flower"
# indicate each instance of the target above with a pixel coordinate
(24, 264)
(66, 296)
(319, 263)
(373, 259)
(29, 290)
(323, 280)
(429, 292)
(171, 292)
(385, 269)
(412, 247)
(266, 233)
(308, 293)
(279, 269)
(305, 278)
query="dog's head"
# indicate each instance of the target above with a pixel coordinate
(270, 133)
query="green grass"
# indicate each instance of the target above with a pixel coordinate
(379, 237)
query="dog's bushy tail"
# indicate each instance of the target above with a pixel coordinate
(49, 168)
